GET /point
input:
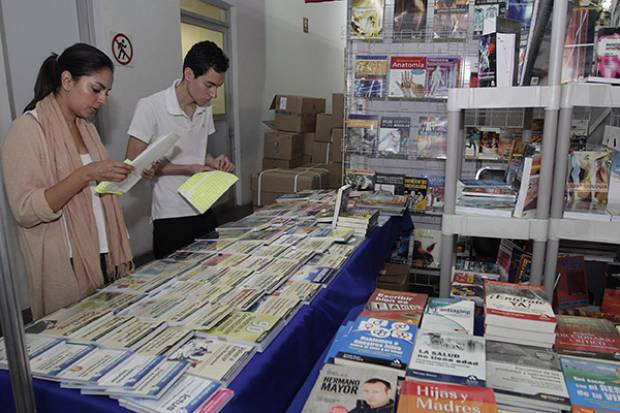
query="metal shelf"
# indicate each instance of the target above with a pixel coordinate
(494, 227)
(589, 94)
(503, 97)
(582, 230)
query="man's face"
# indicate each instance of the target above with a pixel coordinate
(204, 87)
(375, 394)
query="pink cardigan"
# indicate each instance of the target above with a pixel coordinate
(27, 174)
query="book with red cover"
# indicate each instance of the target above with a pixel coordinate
(611, 295)
(572, 286)
(396, 306)
(426, 397)
(587, 337)
(518, 306)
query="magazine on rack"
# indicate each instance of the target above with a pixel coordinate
(417, 189)
(367, 19)
(431, 136)
(394, 136)
(410, 19)
(442, 73)
(362, 133)
(486, 13)
(450, 20)
(407, 77)
(370, 76)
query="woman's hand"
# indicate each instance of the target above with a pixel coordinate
(151, 172)
(221, 163)
(106, 171)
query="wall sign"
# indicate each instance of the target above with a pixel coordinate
(122, 49)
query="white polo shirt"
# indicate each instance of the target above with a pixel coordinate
(157, 115)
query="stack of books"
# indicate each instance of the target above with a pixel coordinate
(518, 314)
(360, 221)
(587, 337)
(468, 279)
(485, 197)
(387, 203)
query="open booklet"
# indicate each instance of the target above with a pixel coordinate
(203, 189)
(152, 153)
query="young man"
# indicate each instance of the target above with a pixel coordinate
(183, 108)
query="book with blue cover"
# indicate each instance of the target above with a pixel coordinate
(450, 315)
(377, 343)
(593, 386)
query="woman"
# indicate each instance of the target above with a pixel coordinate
(72, 239)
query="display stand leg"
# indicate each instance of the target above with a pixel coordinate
(557, 195)
(12, 327)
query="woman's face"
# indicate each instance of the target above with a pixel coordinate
(87, 94)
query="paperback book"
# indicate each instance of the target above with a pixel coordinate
(426, 248)
(588, 176)
(93, 366)
(51, 362)
(486, 13)
(526, 376)
(587, 337)
(449, 315)
(385, 344)
(417, 189)
(248, 328)
(348, 389)
(428, 397)
(448, 358)
(398, 306)
(592, 385)
(392, 183)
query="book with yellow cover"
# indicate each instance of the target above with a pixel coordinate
(203, 189)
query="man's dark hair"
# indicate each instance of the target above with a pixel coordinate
(387, 385)
(204, 56)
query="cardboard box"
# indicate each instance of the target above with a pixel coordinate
(308, 142)
(296, 113)
(270, 163)
(394, 277)
(335, 154)
(334, 175)
(283, 145)
(320, 152)
(324, 125)
(338, 109)
(275, 182)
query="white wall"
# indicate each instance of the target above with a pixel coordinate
(248, 77)
(310, 64)
(154, 26)
(33, 29)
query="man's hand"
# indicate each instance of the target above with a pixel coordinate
(221, 163)
(150, 173)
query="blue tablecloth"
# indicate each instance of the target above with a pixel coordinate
(270, 381)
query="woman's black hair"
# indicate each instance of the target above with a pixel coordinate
(80, 60)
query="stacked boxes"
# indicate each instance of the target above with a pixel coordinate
(327, 149)
(289, 144)
(270, 184)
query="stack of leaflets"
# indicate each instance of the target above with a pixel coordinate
(375, 343)
(427, 397)
(518, 314)
(360, 221)
(449, 315)
(592, 385)
(449, 358)
(526, 378)
(395, 305)
(587, 337)
(352, 389)
(479, 197)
